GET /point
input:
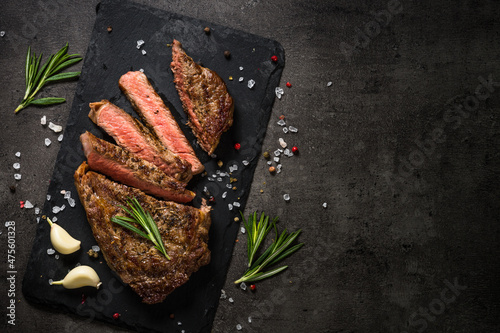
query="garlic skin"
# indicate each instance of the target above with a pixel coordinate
(81, 276)
(61, 240)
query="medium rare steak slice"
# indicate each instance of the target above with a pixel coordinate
(184, 231)
(204, 97)
(132, 135)
(157, 116)
(129, 169)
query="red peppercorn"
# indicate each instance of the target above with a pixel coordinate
(274, 58)
(288, 84)
(237, 146)
(295, 149)
(211, 199)
(21, 203)
(116, 315)
(252, 287)
(282, 117)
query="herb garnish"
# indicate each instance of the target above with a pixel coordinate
(145, 220)
(281, 248)
(49, 72)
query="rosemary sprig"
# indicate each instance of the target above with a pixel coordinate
(257, 230)
(37, 77)
(143, 218)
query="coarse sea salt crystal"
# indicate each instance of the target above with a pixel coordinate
(60, 138)
(242, 229)
(230, 206)
(56, 256)
(62, 207)
(17, 176)
(230, 299)
(179, 323)
(43, 120)
(236, 204)
(54, 219)
(250, 319)
(239, 327)
(288, 153)
(143, 52)
(241, 68)
(293, 129)
(96, 248)
(56, 209)
(47, 142)
(282, 143)
(251, 84)
(224, 195)
(285, 130)
(286, 197)
(141, 70)
(2, 33)
(28, 205)
(48, 197)
(71, 202)
(219, 179)
(51, 281)
(55, 128)
(276, 159)
(278, 152)
(278, 168)
(67, 194)
(229, 186)
(38, 220)
(281, 122)
(51, 251)
(245, 162)
(325, 205)
(279, 92)
(241, 79)
(269, 162)
(37, 210)
(223, 294)
(16, 166)
(18, 154)
(329, 84)
(243, 286)
(140, 42)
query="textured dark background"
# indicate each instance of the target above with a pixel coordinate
(403, 146)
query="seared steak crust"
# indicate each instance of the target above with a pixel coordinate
(204, 98)
(184, 231)
(129, 169)
(132, 135)
(157, 116)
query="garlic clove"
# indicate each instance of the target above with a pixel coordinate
(62, 240)
(81, 276)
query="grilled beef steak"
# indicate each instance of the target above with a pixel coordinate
(157, 117)
(184, 231)
(129, 169)
(132, 135)
(204, 97)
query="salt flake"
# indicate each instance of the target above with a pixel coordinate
(28, 205)
(251, 84)
(47, 142)
(140, 43)
(281, 122)
(17, 176)
(18, 154)
(143, 52)
(55, 128)
(286, 197)
(279, 92)
(293, 129)
(51, 251)
(43, 120)
(16, 166)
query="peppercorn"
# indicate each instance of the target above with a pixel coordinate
(12, 189)
(288, 84)
(272, 169)
(252, 287)
(110, 28)
(266, 155)
(237, 146)
(116, 315)
(207, 30)
(274, 58)
(295, 149)
(227, 54)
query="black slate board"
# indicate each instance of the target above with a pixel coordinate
(109, 55)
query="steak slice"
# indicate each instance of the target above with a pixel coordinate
(184, 230)
(132, 135)
(157, 116)
(129, 169)
(204, 98)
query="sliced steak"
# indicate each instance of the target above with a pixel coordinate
(132, 135)
(184, 231)
(129, 169)
(157, 116)
(204, 98)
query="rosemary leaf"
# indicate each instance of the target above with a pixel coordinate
(144, 219)
(36, 78)
(280, 248)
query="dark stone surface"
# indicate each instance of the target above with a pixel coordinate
(409, 240)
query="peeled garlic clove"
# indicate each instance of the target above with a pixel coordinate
(61, 240)
(81, 276)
